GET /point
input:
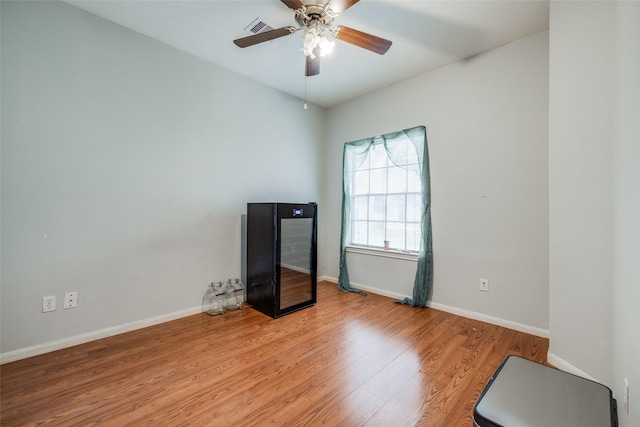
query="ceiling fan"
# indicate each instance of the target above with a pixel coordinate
(314, 20)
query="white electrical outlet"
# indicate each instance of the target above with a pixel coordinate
(70, 300)
(48, 303)
(484, 285)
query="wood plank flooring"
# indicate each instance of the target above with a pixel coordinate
(348, 361)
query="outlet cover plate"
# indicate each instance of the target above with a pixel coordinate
(48, 304)
(70, 300)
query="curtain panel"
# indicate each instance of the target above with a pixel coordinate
(395, 145)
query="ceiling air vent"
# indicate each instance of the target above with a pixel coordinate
(257, 26)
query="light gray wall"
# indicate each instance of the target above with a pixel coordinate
(486, 121)
(580, 181)
(126, 165)
(626, 199)
(594, 195)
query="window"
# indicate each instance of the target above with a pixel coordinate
(386, 197)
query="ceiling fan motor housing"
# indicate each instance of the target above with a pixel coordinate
(315, 16)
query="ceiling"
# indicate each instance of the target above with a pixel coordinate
(426, 35)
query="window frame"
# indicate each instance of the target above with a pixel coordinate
(389, 253)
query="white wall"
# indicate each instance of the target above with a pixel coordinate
(486, 121)
(595, 193)
(626, 199)
(580, 180)
(126, 165)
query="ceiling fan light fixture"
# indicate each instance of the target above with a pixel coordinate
(314, 38)
(326, 46)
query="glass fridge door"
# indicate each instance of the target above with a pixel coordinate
(296, 281)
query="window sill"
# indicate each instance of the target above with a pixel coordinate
(391, 253)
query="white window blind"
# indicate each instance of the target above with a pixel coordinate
(386, 200)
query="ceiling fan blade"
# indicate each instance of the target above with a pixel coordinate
(313, 66)
(339, 6)
(363, 40)
(264, 37)
(292, 4)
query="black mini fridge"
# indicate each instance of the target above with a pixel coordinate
(281, 257)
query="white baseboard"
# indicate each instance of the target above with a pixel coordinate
(325, 279)
(539, 332)
(39, 349)
(520, 327)
(566, 366)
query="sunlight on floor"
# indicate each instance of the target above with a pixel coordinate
(387, 375)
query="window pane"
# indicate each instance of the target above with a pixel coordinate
(362, 164)
(378, 181)
(397, 180)
(414, 184)
(376, 234)
(378, 156)
(398, 153)
(386, 198)
(359, 208)
(412, 155)
(361, 182)
(396, 208)
(395, 235)
(413, 236)
(376, 208)
(414, 207)
(359, 233)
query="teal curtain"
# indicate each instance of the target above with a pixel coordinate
(396, 145)
(355, 153)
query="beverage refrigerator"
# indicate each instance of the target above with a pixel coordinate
(281, 257)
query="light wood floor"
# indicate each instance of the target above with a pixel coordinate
(349, 360)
